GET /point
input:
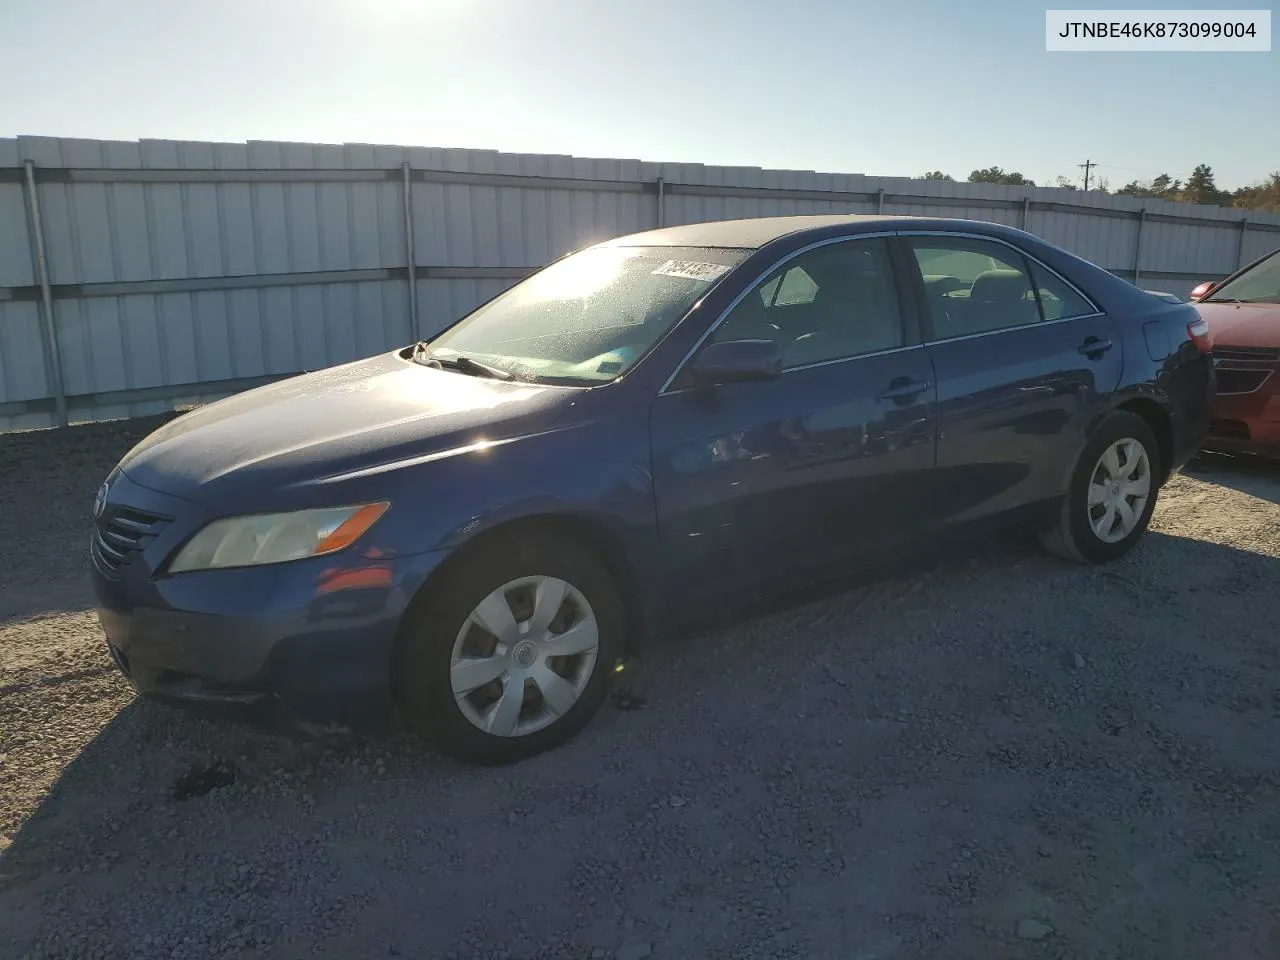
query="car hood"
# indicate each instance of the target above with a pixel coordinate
(1243, 324)
(280, 441)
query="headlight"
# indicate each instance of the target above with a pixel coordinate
(276, 537)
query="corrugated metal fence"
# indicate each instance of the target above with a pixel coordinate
(139, 275)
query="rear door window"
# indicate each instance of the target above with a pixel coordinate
(974, 286)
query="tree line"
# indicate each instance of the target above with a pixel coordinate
(1199, 187)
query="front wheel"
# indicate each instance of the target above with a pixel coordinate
(513, 652)
(1112, 494)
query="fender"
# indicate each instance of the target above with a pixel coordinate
(592, 477)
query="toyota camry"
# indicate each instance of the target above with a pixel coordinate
(474, 531)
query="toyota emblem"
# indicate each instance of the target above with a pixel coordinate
(100, 501)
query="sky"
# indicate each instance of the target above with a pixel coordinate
(887, 88)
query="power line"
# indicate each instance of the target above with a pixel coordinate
(1116, 166)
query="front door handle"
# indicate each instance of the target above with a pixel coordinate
(903, 389)
(1094, 347)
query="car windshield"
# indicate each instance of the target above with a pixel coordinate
(587, 318)
(1258, 284)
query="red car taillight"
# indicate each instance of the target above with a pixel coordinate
(1200, 335)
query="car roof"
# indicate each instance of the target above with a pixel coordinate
(751, 234)
(789, 233)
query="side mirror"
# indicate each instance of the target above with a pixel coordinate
(733, 360)
(1202, 290)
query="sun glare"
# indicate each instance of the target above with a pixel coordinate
(580, 275)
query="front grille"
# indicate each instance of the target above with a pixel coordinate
(1229, 429)
(120, 533)
(1240, 381)
(1246, 354)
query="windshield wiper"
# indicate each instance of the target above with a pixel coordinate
(460, 363)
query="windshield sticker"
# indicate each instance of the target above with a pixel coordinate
(692, 270)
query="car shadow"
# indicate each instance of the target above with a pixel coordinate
(156, 786)
(48, 479)
(33, 601)
(254, 751)
(1257, 476)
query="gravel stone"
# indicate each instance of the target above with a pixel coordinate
(908, 768)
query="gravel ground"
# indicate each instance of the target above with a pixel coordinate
(1000, 757)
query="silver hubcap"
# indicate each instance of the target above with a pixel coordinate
(1119, 489)
(524, 656)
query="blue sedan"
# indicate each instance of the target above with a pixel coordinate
(475, 530)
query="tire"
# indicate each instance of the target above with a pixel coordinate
(1074, 535)
(446, 628)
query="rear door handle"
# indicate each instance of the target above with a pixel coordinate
(1094, 347)
(904, 388)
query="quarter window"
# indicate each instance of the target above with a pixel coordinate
(974, 286)
(833, 302)
(1058, 299)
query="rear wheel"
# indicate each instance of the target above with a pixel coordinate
(1112, 494)
(513, 652)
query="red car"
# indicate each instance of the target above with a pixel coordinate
(1243, 313)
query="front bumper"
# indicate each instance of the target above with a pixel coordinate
(1246, 407)
(309, 642)
(1248, 422)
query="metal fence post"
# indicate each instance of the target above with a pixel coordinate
(52, 355)
(410, 257)
(1244, 227)
(1137, 247)
(662, 202)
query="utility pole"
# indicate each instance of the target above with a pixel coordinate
(1087, 165)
